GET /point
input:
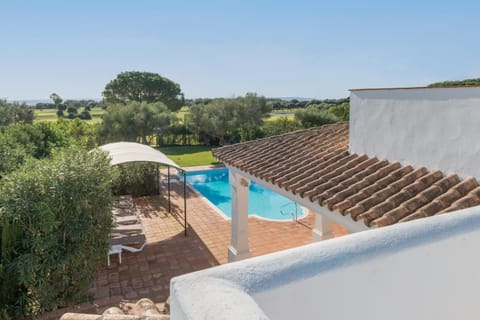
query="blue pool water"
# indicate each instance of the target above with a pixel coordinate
(213, 185)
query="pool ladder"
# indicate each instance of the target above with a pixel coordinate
(294, 213)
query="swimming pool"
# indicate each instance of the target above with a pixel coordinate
(262, 202)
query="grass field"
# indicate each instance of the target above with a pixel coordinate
(275, 117)
(188, 156)
(51, 115)
(45, 115)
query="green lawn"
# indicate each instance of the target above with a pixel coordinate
(188, 156)
(51, 115)
(45, 115)
(276, 117)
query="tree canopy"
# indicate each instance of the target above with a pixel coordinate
(135, 121)
(146, 87)
(314, 116)
(456, 83)
(12, 113)
(228, 120)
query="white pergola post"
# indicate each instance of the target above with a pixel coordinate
(238, 249)
(323, 228)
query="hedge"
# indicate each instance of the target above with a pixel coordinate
(55, 219)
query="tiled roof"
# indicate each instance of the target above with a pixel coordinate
(315, 164)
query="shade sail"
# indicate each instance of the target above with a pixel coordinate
(125, 152)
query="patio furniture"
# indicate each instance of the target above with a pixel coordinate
(122, 211)
(125, 219)
(121, 239)
(124, 202)
(115, 249)
(127, 232)
(127, 228)
(122, 242)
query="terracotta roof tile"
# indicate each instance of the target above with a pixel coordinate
(316, 165)
(355, 192)
(469, 200)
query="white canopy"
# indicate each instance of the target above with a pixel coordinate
(124, 152)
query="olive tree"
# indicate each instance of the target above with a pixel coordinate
(135, 121)
(15, 113)
(313, 116)
(229, 120)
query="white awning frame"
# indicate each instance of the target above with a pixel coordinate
(125, 152)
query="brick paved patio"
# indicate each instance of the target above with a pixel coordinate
(169, 253)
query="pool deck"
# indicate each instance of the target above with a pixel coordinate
(169, 253)
(206, 167)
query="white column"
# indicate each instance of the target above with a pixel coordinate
(323, 228)
(238, 249)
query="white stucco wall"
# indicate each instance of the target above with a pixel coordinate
(424, 269)
(438, 128)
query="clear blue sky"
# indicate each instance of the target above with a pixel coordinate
(224, 48)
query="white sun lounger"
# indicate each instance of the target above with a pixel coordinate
(118, 248)
(123, 212)
(127, 239)
(127, 228)
(125, 219)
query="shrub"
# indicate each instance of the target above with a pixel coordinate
(313, 116)
(12, 154)
(85, 115)
(137, 179)
(72, 109)
(72, 115)
(38, 139)
(280, 125)
(55, 221)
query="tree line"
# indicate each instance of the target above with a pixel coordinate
(145, 107)
(456, 83)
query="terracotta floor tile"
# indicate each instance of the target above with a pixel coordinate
(169, 253)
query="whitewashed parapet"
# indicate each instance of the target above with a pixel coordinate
(410, 270)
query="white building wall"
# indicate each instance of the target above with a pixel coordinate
(438, 128)
(423, 269)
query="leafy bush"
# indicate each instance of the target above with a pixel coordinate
(39, 139)
(228, 120)
(12, 154)
(313, 116)
(135, 121)
(137, 179)
(71, 109)
(342, 111)
(55, 221)
(280, 125)
(80, 133)
(72, 116)
(85, 115)
(11, 113)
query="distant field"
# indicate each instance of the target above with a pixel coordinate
(45, 115)
(51, 115)
(284, 111)
(275, 116)
(189, 156)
